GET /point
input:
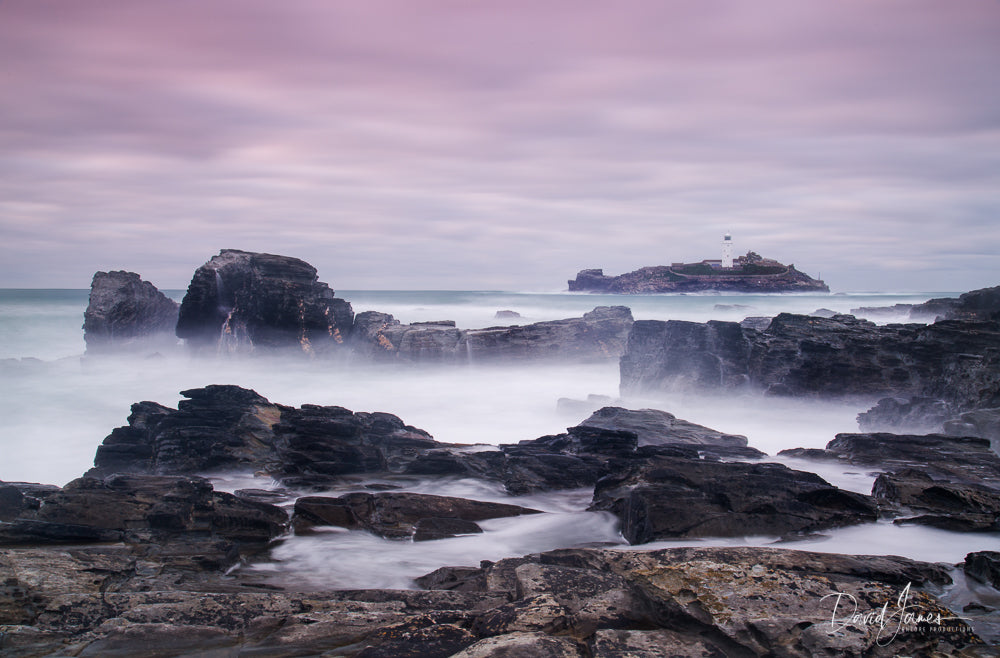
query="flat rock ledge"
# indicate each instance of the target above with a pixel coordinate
(580, 603)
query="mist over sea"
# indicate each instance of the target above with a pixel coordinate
(57, 407)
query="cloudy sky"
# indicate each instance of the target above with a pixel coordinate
(469, 144)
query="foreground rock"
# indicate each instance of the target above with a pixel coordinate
(722, 601)
(171, 515)
(955, 361)
(599, 335)
(250, 302)
(942, 481)
(126, 313)
(668, 498)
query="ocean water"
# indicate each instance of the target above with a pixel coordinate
(56, 407)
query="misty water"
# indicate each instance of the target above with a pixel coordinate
(57, 407)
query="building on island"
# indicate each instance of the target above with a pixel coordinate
(727, 252)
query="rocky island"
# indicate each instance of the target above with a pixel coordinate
(750, 273)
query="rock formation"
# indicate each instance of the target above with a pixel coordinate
(244, 302)
(141, 562)
(955, 361)
(750, 274)
(597, 336)
(568, 603)
(942, 481)
(126, 313)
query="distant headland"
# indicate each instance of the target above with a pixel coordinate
(749, 273)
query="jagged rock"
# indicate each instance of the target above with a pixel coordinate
(984, 423)
(984, 566)
(400, 515)
(956, 361)
(670, 497)
(227, 427)
(968, 507)
(140, 509)
(126, 313)
(949, 482)
(242, 302)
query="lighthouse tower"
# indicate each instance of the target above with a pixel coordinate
(727, 251)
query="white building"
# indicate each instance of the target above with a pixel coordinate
(727, 251)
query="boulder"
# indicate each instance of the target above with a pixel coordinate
(126, 313)
(984, 566)
(400, 515)
(670, 497)
(655, 427)
(251, 302)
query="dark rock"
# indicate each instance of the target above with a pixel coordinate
(947, 482)
(958, 507)
(400, 515)
(438, 528)
(984, 566)
(126, 313)
(130, 507)
(655, 427)
(983, 423)
(954, 361)
(232, 428)
(671, 497)
(504, 315)
(244, 302)
(823, 313)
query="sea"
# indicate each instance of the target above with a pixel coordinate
(56, 406)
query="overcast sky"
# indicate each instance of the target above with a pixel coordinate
(471, 144)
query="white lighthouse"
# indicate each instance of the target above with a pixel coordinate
(727, 251)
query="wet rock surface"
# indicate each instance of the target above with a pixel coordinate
(243, 301)
(579, 602)
(125, 313)
(938, 480)
(667, 497)
(123, 563)
(954, 360)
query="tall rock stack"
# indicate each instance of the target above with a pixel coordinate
(126, 313)
(249, 302)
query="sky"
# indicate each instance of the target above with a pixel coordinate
(469, 144)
